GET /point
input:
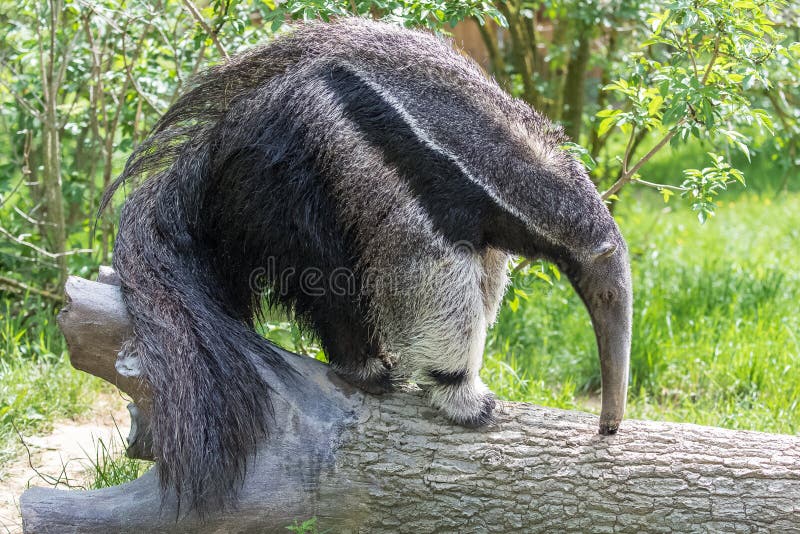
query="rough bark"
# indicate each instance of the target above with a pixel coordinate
(362, 463)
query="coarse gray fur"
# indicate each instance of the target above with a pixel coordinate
(377, 183)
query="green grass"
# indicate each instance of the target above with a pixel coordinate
(37, 383)
(716, 321)
(309, 526)
(109, 465)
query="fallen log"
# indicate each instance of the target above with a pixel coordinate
(363, 463)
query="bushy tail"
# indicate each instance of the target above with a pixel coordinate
(197, 350)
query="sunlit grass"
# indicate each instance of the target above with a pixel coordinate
(37, 382)
(716, 321)
(109, 466)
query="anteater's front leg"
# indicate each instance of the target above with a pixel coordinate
(437, 327)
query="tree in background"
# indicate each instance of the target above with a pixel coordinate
(81, 81)
(78, 79)
(649, 74)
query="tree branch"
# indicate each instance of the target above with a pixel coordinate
(713, 59)
(21, 101)
(364, 463)
(40, 250)
(134, 83)
(661, 186)
(19, 287)
(627, 175)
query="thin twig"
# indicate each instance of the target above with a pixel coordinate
(40, 50)
(39, 262)
(66, 59)
(134, 83)
(31, 219)
(712, 60)
(26, 168)
(15, 74)
(626, 176)
(666, 139)
(521, 265)
(198, 17)
(62, 478)
(691, 54)
(13, 191)
(21, 101)
(661, 186)
(19, 287)
(628, 148)
(42, 251)
(76, 97)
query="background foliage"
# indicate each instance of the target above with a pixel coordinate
(670, 104)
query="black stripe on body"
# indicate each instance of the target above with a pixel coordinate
(460, 209)
(454, 203)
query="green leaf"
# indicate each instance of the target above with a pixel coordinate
(556, 272)
(674, 113)
(605, 125)
(655, 105)
(744, 149)
(708, 114)
(581, 154)
(608, 112)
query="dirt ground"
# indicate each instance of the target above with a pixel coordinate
(61, 455)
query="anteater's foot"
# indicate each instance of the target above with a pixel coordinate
(374, 377)
(466, 401)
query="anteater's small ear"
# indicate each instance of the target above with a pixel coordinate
(604, 250)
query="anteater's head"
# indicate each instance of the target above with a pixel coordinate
(603, 281)
(556, 213)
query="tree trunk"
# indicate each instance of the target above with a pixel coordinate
(497, 62)
(523, 47)
(363, 463)
(597, 142)
(55, 229)
(575, 85)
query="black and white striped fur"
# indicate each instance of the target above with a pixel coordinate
(353, 151)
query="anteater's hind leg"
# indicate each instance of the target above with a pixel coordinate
(351, 348)
(373, 375)
(435, 321)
